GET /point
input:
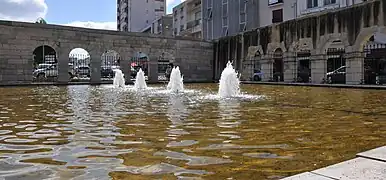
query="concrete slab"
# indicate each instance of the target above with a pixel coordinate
(376, 154)
(355, 169)
(307, 176)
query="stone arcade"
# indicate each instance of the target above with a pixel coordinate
(347, 37)
(18, 41)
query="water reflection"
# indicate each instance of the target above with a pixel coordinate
(86, 132)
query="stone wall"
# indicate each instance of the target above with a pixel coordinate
(18, 41)
(347, 28)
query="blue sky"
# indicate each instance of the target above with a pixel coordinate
(66, 11)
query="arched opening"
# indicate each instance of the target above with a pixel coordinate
(304, 66)
(336, 63)
(257, 74)
(45, 64)
(278, 66)
(140, 60)
(165, 65)
(110, 60)
(79, 65)
(375, 60)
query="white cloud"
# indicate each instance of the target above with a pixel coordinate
(31, 10)
(94, 25)
(22, 10)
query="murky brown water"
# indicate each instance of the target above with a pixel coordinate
(96, 132)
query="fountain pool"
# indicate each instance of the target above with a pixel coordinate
(90, 132)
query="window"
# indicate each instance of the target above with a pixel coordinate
(328, 2)
(224, 21)
(277, 16)
(272, 2)
(225, 31)
(209, 13)
(225, 13)
(243, 15)
(312, 3)
(210, 3)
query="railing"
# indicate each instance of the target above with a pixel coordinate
(318, 9)
(193, 23)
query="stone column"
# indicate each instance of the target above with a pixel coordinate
(153, 70)
(266, 67)
(354, 67)
(95, 68)
(290, 66)
(318, 68)
(63, 68)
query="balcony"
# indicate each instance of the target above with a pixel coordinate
(320, 8)
(192, 27)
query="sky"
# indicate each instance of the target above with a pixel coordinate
(99, 14)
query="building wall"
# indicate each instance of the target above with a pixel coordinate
(265, 11)
(18, 40)
(303, 10)
(139, 13)
(212, 12)
(193, 19)
(350, 29)
(162, 26)
(179, 18)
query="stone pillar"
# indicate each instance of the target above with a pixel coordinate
(125, 65)
(318, 68)
(63, 67)
(266, 67)
(290, 66)
(354, 67)
(95, 68)
(153, 70)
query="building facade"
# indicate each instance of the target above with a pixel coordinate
(228, 17)
(162, 26)
(187, 19)
(135, 15)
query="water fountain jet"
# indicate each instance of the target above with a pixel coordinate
(176, 83)
(229, 82)
(140, 82)
(119, 79)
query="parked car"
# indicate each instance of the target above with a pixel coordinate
(108, 71)
(47, 71)
(257, 75)
(83, 71)
(338, 76)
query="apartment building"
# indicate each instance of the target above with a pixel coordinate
(306, 7)
(188, 19)
(229, 17)
(135, 15)
(162, 26)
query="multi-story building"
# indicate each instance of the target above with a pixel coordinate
(162, 25)
(134, 15)
(229, 17)
(188, 19)
(306, 7)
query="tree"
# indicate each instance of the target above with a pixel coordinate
(40, 21)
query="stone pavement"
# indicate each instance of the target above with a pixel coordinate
(369, 165)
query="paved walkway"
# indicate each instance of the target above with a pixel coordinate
(357, 86)
(369, 165)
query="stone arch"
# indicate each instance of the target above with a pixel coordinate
(139, 60)
(45, 62)
(301, 45)
(364, 36)
(330, 40)
(79, 62)
(165, 60)
(278, 65)
(44, 54)
(374, 65)
(272, 47)
(110, 60)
